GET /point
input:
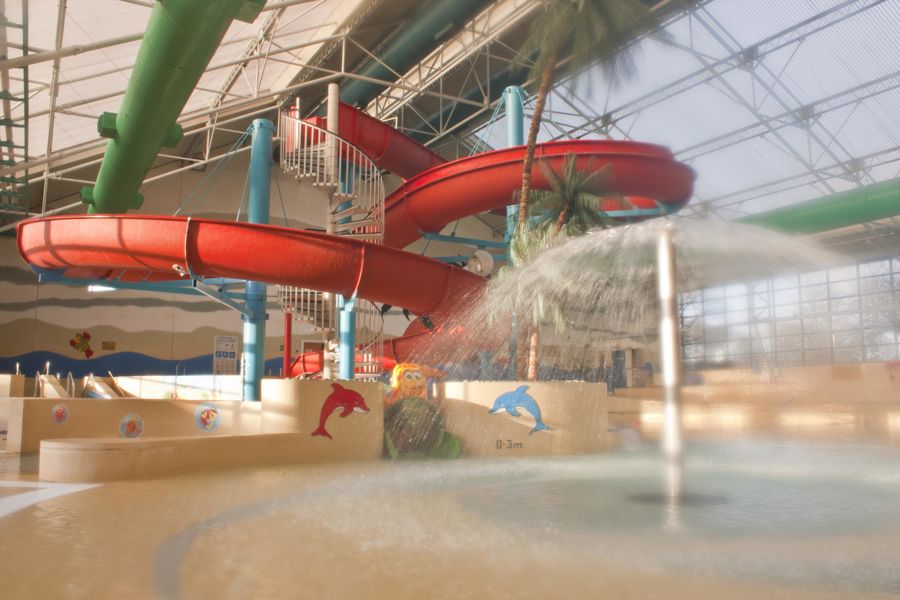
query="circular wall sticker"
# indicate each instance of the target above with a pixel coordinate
(207, 417)
(131, 426)
(60, 413)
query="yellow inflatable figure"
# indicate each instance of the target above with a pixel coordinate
(409, 380)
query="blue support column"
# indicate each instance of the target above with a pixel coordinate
(255, 291)
(514, 100)
(347, 347)
(346, 307)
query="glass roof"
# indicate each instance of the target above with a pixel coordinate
(771, 102)
(93, 82)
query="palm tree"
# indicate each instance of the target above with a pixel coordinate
(572, 206)
(597, 31)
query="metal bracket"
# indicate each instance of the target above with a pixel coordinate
(219, 295)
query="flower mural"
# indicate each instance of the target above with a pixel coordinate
(82, 343)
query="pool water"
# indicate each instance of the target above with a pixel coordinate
(773, 518)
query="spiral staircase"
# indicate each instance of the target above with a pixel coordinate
(355, 191)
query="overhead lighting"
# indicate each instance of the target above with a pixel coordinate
(100, 288)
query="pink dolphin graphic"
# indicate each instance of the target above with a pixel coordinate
(341, 397)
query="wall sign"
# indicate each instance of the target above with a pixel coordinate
(225, 356)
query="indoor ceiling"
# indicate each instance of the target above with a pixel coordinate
(771, 102)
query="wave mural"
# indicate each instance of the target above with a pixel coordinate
(118, 363)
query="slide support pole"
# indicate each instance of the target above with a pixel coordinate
(255, 291)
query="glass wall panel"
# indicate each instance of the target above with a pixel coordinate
(849, 314)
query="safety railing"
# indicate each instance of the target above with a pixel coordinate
(310, 306)
(355, 189)
(369, 340)
(324, 159)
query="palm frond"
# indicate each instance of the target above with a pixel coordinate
(593, 31)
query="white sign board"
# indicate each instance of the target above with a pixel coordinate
(225, 351)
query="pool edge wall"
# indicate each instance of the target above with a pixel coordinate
(87, 445)
(575, 412)
(105, 460)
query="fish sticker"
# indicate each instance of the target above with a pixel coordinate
(348, 400)
(519, 398)
(131, 426)
(207, 417)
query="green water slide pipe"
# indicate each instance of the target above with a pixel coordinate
(433, 22)
(853, 207)
(180, 40)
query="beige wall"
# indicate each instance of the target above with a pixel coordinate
(93, 461)
(287, 406)
(10, 386)
(576, 413)
(863, 383)
(291, 408)
(296, 405)
(30, 419)
(166, 326)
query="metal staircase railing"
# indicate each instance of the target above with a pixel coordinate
(369, 340)
(353, 182)
(307, 305)
(13, 132)
(355, 191)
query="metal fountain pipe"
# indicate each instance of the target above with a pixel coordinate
(181, 38)
(255, 291)
(670, 357)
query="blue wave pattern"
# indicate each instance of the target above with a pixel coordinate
(119, 363)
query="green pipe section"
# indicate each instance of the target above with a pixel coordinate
(434, 21)
(853, 207)
(181, 38)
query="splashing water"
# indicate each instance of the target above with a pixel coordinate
(598, 290)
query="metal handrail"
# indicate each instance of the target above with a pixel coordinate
(356, 189)
(308, 152)
(369, 320)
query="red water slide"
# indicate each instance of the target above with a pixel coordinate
(642, 173)
(156, 248)
(438, 192)
(384, 145)
(135, 248)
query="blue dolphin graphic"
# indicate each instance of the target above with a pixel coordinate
(510, 401)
